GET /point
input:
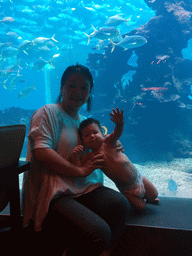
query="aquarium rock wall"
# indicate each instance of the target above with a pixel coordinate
(156, 103)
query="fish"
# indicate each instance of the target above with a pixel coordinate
(116, 20)
(9, 52)
(54, 19)
(7, 20)
(99, 46)
(27, 10)
(5, 73)
(40, 63)
(27, 36)
(24, 21)
(162, 57)
(42, 8)
(104, 6)
(42, 40)
(3, 45)
(103, 33)
(130, 42)
(90, 9)
(26, 91)
(3, 83)
(10, 69)
(44, 48)
(172, 185)
(158, 89)
(25, 45)
(10, 87)
(13, 35)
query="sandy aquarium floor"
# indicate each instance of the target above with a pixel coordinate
(160, 174)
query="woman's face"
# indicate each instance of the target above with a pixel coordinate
(76, 90)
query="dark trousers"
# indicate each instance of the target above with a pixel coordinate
(86, 225)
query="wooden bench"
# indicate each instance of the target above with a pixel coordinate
(161, 230)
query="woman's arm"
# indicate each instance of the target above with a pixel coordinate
(57, 164)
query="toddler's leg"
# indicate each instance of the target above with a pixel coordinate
(136, 202)
(151, 192)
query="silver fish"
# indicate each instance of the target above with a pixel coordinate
(25, 45)
(12, 86)
(103, 33)
(7, 20)
(40, 63)
(10, 69)
(130, 42)
(26, 91)
(44, 48)
(99, 46)
(116, 20)
(9, 52)
(6, 73)
(3, 83)
(42, 40)
(13, 35)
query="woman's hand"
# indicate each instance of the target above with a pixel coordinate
(96, 161)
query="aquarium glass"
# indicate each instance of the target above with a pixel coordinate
(140, 56)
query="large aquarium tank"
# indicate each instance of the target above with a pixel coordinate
(140, 56)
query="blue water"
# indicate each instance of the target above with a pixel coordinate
(67, 21)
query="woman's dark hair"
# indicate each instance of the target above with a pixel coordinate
(77, 69)
(87, 122)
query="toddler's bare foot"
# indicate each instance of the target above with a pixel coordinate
(106, 253)
(152, 201)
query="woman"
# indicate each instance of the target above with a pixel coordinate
(69, 203)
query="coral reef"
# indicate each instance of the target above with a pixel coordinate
(156, 103)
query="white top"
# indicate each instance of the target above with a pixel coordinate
(51, 127)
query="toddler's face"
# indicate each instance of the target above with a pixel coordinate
(92, 136)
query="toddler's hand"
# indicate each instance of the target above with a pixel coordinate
(76, 155)
(77, 150)
(117, 116)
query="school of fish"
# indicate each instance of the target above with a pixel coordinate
(35, 35)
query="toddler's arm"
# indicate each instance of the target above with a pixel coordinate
(77, 158)
(118, 119)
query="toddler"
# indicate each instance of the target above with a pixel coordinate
(137, 188)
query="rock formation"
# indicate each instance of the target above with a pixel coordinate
(156, 103)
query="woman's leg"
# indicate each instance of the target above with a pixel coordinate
(88, 224)
(111, 206)
(70, 224)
